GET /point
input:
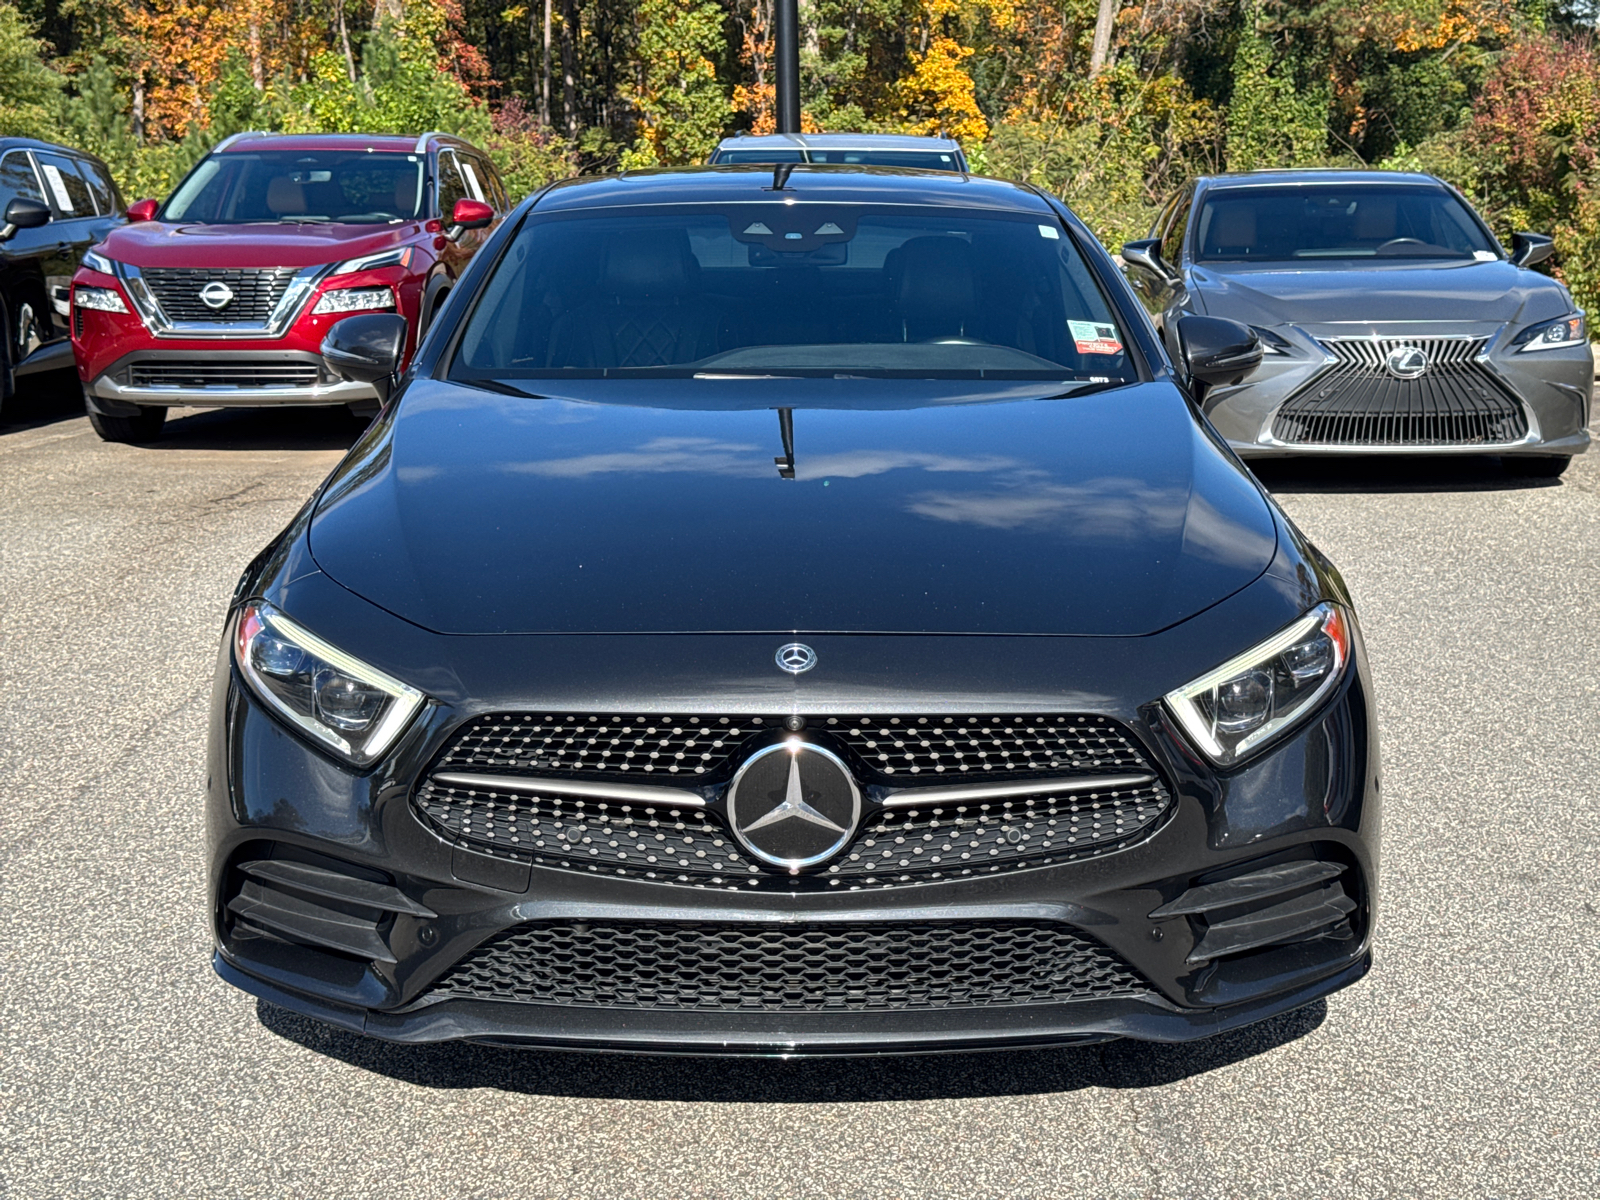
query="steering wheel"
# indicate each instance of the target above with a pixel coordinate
(1406, 241)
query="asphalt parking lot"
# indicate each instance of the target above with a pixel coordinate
(1466, 1065)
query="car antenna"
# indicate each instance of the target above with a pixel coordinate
(785, 464)
(780, 176)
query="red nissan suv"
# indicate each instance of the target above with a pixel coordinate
(222, 295)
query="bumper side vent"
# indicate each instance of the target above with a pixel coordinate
(316, 905)
(1272, 905)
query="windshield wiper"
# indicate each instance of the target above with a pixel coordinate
(505, 389)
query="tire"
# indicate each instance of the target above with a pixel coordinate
(1536, 466)
(146, 427)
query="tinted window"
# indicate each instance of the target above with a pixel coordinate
(452, 186)
(17, 180)
(300, 186)
(65, 186)
(488, 180)
(927, 160)
(759, 156)
(105, 193)
(1172, 240)
(814, 289)
(1327, 221)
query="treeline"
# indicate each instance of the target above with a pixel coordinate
(1111, 103)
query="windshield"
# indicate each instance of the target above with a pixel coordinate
(341, 187)
(927, 160)
(1272, 224)
(803, 290)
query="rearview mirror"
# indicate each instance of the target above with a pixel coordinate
(471, 214)
(144, 210)
(1147, 254)
(367, 349)
(1530, 249)
(1217, 351)
(23, 213)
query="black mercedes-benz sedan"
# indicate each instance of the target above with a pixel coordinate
(792, 611)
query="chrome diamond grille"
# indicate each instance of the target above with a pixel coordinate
(1356, 401)
(890, 748)
(789, 968)
(893, 846)
(256, 292)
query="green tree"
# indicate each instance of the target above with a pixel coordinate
(1272, 120)
(30, 92)
(682, 106)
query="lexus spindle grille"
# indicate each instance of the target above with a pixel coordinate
(252, 375)
(256, 292)
(1358, 401)
(789, 968)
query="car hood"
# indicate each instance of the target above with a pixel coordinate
(1107, 513)
(159, 244)
(1365, 292)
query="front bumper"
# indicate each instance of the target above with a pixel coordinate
(1316, 796)
(1551, 389)
(220, 378)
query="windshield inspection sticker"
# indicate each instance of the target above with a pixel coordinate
(1093, 337)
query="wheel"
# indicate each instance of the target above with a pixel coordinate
(146, 427)
(1536, 466)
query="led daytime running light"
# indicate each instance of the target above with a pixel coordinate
(99, 299)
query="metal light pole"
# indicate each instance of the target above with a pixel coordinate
(788, 73)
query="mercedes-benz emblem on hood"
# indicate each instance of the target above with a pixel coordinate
(216, 294)
(1407, 362)
(793, 805)
(795, 658)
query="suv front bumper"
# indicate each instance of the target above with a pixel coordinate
(208, 378)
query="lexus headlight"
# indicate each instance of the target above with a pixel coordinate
(1562, 332)
(349, 707)
(345, 300)
(1248, 701)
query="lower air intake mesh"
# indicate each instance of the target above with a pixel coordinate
(789, 968)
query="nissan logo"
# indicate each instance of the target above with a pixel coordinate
(216, 295)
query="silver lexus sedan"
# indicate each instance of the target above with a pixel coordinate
(1391, 318)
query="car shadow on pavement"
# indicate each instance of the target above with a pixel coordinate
(43, 399)
(1120, 1064)
(288, 427)
(1401, 473)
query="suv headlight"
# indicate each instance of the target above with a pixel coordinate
(384, 258)
(96, 261)
(1249, 701)
(1561, 332)
(351, 708)
(100, 299)
(342, 300)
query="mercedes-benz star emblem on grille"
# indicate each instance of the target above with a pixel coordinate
(216, 294)
(795, 658)
(793, 805)
(1407, 362)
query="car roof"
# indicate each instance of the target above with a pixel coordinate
(837, 141)
(1335, 175)
(802, 182)
(388, 142)
(27, 143)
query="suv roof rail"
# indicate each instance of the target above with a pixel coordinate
(235, 137)
(422, 142)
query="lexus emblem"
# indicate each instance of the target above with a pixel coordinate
(795, 658)
(216, 295)
(793, 805)
(1406, 362)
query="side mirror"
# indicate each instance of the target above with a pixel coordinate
(1530, 249)
(1218, 351)
(23, 213)
(471, 214)
(367, 349)
(144, 210)
(1147, 255)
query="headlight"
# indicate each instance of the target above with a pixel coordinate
(386, 258)
(1271, 343)
(1561, 332)
(96, 261)
(99, 299)
(345, 300)
(352, 709)
(1248, 701)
